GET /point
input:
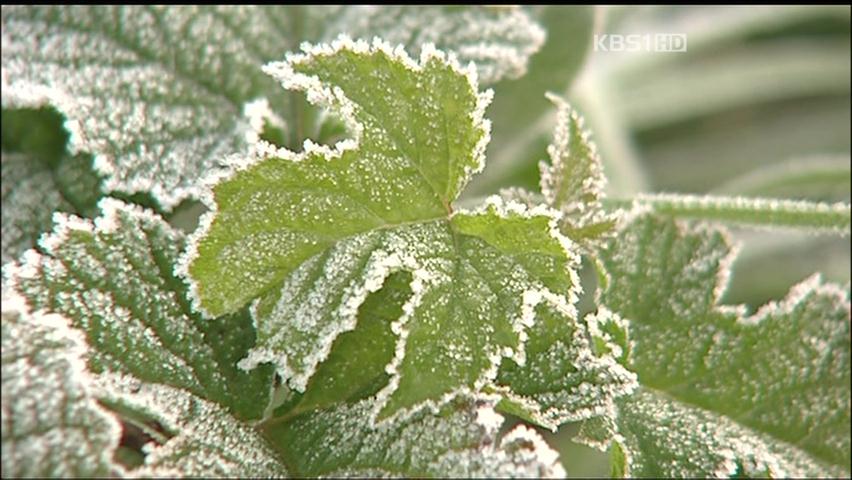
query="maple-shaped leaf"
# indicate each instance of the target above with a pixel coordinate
(306, 237)
(722, 392)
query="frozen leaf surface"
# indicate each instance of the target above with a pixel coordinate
(309, 236)
(52, 423)
(573, 182)
(566, 377)
(775, 383)
(33, 190)
(113, 279)
(499, 39)
(460, 440)
(155, 93)
(30, 197)
(205, 440)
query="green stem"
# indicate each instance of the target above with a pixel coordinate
(821, 217)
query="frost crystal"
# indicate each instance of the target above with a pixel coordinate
(30, 197)
(777, 381)
(146, 354)
(565, 377)
(209, 442)
(156, 92)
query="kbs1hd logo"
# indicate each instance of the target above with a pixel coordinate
(641, 42)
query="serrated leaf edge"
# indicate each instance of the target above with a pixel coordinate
(531, 298)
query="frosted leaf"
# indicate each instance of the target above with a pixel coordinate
(206, 440)
(355, 366)
(566, 376)
(663, 437)
(778, 380)
(574, 180)
(113, 279)
(460, 440)
(499, 39)
(30, 197)
(32, 191)
(309, 236)
(155, 93)
(53, 425)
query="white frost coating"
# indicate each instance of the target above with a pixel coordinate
(420, 281)
(207, 441)
(812, 285)
(499, 40)
(157, 108)
(489, 418)
(540, 449)
(574, 181)
(30, 196)
(258, 114)
(448, 444)
(780, 375)
(704, 443)
(297, 365)
(332, 98)
(759, 212)
(52, 424)
(589, 390)
(123, 249)
(595, 322)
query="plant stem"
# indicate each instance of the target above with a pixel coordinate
(818, 216)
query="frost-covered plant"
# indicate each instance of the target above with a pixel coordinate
(338, 311)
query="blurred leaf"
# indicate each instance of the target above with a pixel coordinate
(818, 177)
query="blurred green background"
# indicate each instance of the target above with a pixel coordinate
(759, 105)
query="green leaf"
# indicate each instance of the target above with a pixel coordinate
(311, 235)
(499, 39)
(32, 192)
(460, 440)
(39, 178)
(114, 281)
(570, 373)
(53, 425)
(30, 197)
(725, 392)
(354, 369)
(156, 93)
(574, 181)
(148, 357)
